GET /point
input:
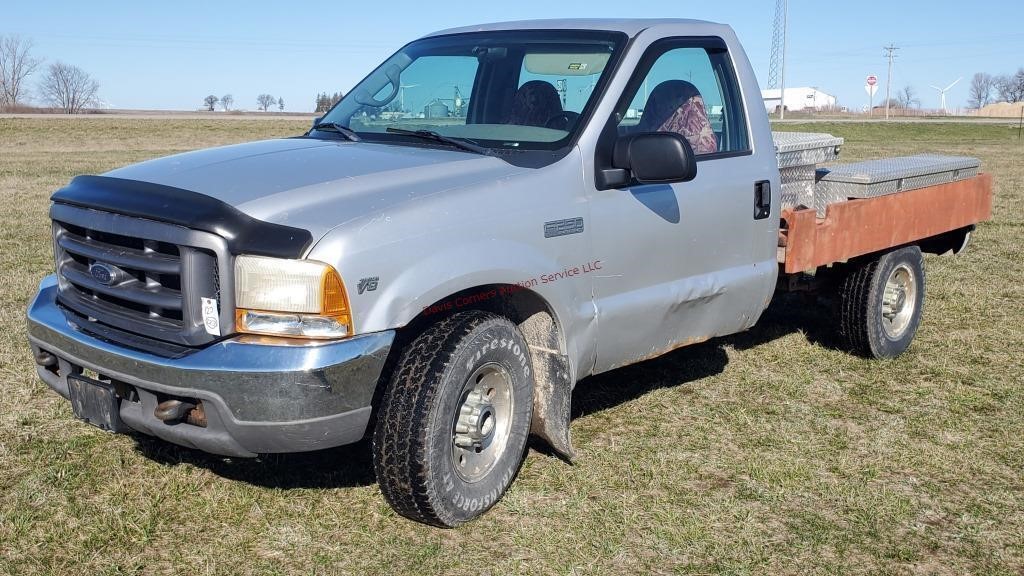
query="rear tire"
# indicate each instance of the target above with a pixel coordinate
(880, 303)
(453, 423)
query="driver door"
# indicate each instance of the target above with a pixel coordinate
(681, 264)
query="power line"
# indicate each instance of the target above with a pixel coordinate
(890, 53)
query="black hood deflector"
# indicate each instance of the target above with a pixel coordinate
(243, 233)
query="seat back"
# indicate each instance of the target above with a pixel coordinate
(534, 104)
(677, 106)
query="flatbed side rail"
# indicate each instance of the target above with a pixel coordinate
(867, 225)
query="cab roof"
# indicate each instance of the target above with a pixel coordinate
(630, 26)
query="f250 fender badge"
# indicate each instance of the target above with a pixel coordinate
(211, 316)
(563, 227)
(368, 284)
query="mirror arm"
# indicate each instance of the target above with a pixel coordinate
(607, 178)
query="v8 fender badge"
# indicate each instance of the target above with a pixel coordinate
(368, 284)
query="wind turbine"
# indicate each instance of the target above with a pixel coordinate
(401, 94)
(942, 92)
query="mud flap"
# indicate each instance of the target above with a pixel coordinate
(552, 400)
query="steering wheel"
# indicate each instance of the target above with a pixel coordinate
(563, 120)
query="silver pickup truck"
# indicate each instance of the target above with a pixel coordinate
(491, 215)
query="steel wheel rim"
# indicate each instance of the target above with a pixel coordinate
(899, 301)
(483, 422)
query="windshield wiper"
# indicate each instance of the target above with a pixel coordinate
(434, 136)
(339, 128)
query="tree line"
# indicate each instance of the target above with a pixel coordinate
(264, 102)
(62, 86)
(325, 101)
(987, 89)
(66, 87)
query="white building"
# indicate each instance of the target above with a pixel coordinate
(798, 99)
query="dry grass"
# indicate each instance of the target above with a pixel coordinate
(768, 452)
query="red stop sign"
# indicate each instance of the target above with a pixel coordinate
(872, 80)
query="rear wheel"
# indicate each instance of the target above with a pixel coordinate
(880, 303)
(453, 423)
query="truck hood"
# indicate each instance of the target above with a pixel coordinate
(317, 184)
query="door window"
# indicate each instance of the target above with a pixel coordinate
(691, 91)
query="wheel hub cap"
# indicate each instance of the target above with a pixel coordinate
(481, 427)
(476, 421)
(895, 299)
(899, 300)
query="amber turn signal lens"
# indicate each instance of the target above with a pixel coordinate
(294, 298)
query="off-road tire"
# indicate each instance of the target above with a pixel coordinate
(861, 300)
(413, 443)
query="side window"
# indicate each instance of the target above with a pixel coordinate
(691, 91)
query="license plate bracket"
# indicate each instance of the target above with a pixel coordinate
(96, 403)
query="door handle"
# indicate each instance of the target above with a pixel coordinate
(762, 199)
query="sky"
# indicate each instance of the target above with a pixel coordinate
(170, 55)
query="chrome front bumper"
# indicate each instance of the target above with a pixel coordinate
(258, 398)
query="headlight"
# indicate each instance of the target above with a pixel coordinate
(301, 298)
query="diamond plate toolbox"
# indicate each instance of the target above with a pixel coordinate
(798, 154)
(889, 176)
(805, 148)
(797, 186)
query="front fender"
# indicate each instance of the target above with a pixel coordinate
(428, 288)
(397, 260)
(435, 278)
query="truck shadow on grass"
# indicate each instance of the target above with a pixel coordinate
(787, 314)
(352, 466)
(348, 466)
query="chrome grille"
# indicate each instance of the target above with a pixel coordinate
(162, 273)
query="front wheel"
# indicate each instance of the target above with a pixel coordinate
(880, 303)
(453, 424)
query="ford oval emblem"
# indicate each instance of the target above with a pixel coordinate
(104, 273)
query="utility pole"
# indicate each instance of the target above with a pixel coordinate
(890, 53)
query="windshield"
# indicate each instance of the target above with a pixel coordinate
(519, 90)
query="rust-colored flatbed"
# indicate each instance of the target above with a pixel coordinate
(868, 225)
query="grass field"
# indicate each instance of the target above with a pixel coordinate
(769, 452)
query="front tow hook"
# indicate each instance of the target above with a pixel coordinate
(173, 410)
(45, 359)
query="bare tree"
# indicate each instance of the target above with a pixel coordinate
(210, 102)
(226, 101)
(1011, 87)
(280, 104)
(981, 90)
(16, 64)
(68, 87)
(907, 98)
(265, 101)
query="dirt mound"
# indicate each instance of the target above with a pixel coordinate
(1000, 110)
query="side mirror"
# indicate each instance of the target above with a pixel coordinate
(655, 157)
(316, 120)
